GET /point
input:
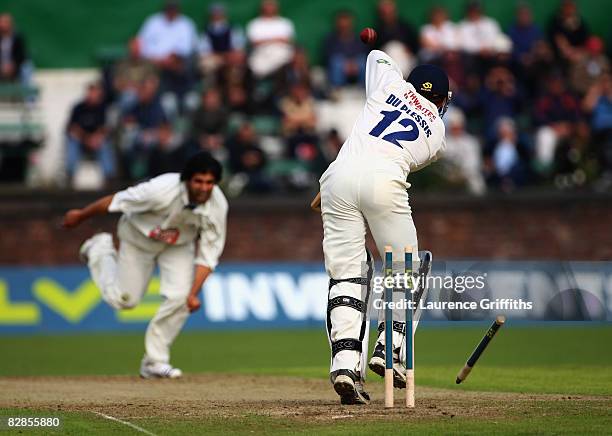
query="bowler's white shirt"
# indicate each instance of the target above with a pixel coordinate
(160, 37)
(163, 203)
(383, 82)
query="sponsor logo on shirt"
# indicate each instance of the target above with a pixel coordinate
(414, 100)
(420, 118)
(167, 236)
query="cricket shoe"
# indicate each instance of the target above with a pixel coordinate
(348, 386)
(105, 238)
(159, 370)
(378, 365)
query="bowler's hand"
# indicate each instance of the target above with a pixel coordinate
(193, 303)
(73, 218)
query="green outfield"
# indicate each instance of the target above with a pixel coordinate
(551, 379)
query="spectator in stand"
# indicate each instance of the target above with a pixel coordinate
(481, 37)
(510, 169)
(148, 113)
(469, 96)
(296, 71)
(345, 54)
(87, 136)
(439, 36)
(590, 64)
(532, 56)
(598, 103)
(524, 34)
(298, 119)
(168, 39)
(141, 128)
(537, 66)
(568, 32)
(271, 38)
(209, 124)
(332, 145)
(396, 37)
(500, 98)
(298, 125)
(236, 82)
(247, 161)
(167, 154)
(463, 154)
(130, 73)
(218, 39)
(556, 112)
(573, 157)
(13, 54)
(440, 45)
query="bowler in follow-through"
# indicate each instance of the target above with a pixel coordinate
(161, 222)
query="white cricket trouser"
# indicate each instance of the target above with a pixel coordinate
(353, 193)
(123, 278)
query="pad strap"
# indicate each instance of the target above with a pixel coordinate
(398, 326)
(356, 280)
(345, 344)
(360, 306)
(346, 301)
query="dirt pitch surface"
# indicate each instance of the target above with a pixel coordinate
(226, 396)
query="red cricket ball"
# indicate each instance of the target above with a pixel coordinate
(368, 35)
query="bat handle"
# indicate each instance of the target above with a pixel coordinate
(463, 373)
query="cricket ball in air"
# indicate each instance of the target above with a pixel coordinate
(368, 35)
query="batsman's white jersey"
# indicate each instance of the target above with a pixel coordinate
(398, 132)
(397, 125)
(158, 226)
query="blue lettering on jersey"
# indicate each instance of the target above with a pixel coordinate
(393, 101)
(410, 133)
(420, 120)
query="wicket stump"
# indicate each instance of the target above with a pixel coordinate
(409, 330)
(484, 342)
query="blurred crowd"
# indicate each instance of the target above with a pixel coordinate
(15, 65)
(244, 95)
(15, 79)
(531, 106)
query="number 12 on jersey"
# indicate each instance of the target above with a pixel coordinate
(410, 133)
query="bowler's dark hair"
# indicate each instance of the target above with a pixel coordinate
(202, 162)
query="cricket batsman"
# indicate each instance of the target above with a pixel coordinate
(399, 131)
(175, 221)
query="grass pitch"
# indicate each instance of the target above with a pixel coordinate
(543, 380)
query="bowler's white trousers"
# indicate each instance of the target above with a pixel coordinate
(356, 192)
(123, 278)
